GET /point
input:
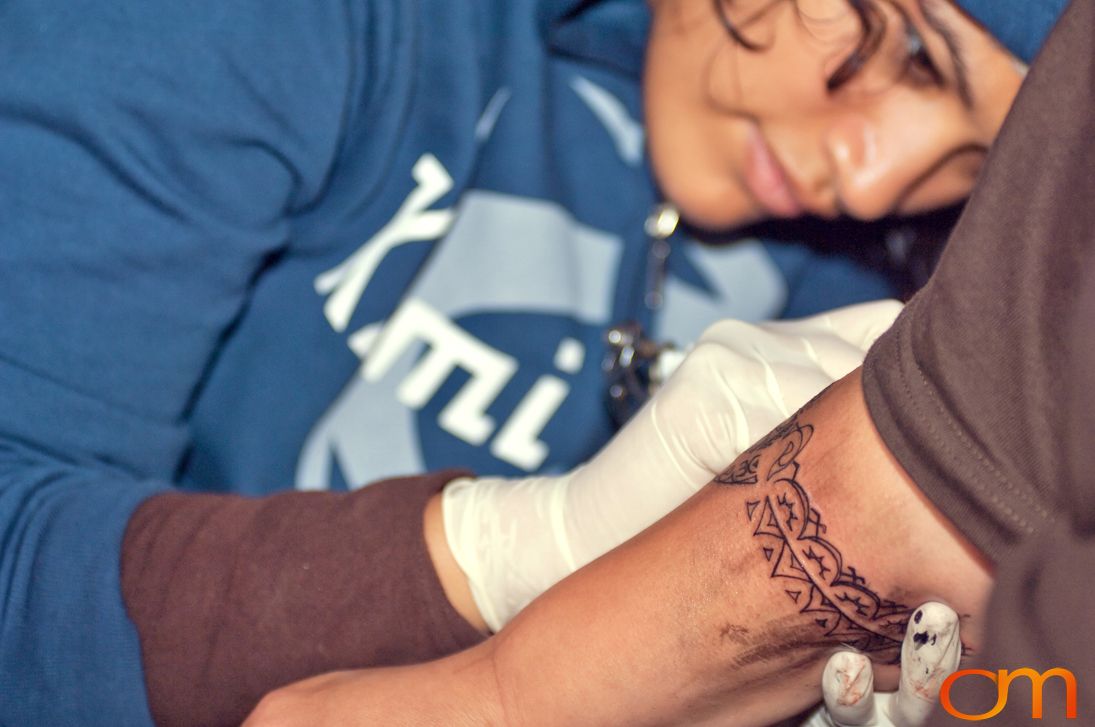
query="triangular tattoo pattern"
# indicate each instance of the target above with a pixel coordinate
(794, 541)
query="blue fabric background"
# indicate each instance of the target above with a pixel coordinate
(1021, 25)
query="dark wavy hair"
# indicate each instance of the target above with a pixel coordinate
(872, 23)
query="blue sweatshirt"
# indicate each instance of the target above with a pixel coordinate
(264, 244)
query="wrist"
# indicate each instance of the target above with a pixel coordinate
(669, 628)
(454, 582)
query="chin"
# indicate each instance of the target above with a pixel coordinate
(718, 213)
(706, 192)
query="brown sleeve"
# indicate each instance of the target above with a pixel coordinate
(1041, 616)
(235, 596)
(983, 389)
(967, 387)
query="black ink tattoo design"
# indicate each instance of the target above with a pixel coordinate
(745, 471)
(792, 539)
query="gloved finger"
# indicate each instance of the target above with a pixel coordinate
(847, 685)
(838, 340)
(800, 351)
(858, 324)
(773, 371)
(930, 653)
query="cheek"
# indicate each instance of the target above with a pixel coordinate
(950, 184)
(702, 95)
(696, 151)
(781, 81)
(697, 158)
(710, 201)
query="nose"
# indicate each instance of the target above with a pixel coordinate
(880, 157)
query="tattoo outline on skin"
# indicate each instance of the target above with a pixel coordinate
(793, 540)
(744, 470)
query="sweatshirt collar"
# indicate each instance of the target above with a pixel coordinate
(611, 33)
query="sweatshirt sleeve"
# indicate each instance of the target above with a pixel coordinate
(151, 154)
(236, 596)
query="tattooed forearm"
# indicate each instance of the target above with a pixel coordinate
(792, 539)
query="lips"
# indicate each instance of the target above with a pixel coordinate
(767, 181)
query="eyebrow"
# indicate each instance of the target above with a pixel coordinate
(954, 48)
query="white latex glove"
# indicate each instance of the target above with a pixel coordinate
(514, 539)
(930, 653)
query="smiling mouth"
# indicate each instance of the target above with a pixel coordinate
(767, 181)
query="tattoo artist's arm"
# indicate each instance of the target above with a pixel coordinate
(725, 610)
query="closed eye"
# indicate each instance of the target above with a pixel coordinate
(921, 68)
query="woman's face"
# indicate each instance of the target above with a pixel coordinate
(737, 135)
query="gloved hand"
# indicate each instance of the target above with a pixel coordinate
(930, 653)
(514, 539)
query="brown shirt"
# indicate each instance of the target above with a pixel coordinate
(236, 596)
(983, 388)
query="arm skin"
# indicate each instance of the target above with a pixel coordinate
(723, 612)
